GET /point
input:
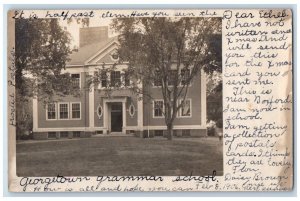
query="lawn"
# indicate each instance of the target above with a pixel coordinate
(120, 156)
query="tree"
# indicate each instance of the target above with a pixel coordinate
(168, 51)
(214, 97)
(42, 50)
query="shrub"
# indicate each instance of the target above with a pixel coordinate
(219, 123)
(211, 128)
(26, 137)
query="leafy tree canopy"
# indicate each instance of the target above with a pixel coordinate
(158, 49)
(42, 50)
(153, 42)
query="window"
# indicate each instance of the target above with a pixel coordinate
(76, 80)
(185, 110)
(51, 134)
(115, 55)
(158, 108)
(76, 133)
(64, 134)
(185, 74)
(99, 111)
(99, 132)
(63, 111)
(115, 78)
(131, 110)
(175, 133)
(103, 79)
(186, 132)
(126, 78)
(51, 111)
(159, 133)
(75, 110)
(157, 80)
(116, 107)
(171, 77)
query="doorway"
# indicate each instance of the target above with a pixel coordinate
(116, 117)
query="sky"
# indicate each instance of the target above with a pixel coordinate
(73, 28)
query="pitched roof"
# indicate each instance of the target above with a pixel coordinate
(85, 52)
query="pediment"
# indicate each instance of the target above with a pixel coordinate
(106, 55)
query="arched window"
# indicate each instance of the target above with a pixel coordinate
(131, 110)
(99, 111)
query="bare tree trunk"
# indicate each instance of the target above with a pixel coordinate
(170, 131)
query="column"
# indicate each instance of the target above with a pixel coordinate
(124, 116)
(140, 113)
(140, 110)
(203, 98)
(91, 105)
(105, 117)
(35, 113)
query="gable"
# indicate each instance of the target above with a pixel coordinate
(87, 54)
(104, 55)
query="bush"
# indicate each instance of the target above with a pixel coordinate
(211, 128)
(211, 131)
(219, 123)
(26, 137)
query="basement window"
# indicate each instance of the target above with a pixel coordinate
(51, 134)
(76, 133)
(159, 133)
(186, 132)
(64, 134)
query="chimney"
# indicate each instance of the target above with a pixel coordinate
(91, 35)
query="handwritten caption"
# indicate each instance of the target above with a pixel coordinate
(257, 100)
(11, 84)
(67, 15)
(112, 183)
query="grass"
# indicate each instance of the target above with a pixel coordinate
(120, 156)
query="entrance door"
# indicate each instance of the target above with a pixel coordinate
(116, 117)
